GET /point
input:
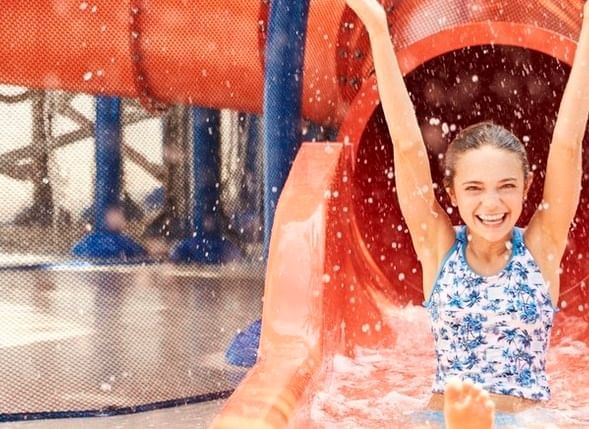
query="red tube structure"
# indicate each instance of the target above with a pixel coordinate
(211, 53)
(203, 53)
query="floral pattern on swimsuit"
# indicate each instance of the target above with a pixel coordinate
(493, 330)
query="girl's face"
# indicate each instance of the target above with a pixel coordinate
(489, 190)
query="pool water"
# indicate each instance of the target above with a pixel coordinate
(391, 387)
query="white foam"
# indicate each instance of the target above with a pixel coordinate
(390, 384)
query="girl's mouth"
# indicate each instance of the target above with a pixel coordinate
(492, 220)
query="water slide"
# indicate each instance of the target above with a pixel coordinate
(340, 257)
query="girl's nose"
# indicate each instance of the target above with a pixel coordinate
(491, 199)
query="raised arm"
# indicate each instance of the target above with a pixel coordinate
(431, 231)
(562, 185)
(548, 229)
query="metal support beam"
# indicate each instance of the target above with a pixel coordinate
(208, 243)
(107, 241)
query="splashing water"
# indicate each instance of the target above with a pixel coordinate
(387, 387)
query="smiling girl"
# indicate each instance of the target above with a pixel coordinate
(491, 288)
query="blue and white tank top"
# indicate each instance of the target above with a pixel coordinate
(493, 330)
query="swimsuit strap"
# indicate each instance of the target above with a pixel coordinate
(517, 241)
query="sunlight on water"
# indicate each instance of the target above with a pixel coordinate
(385, 388)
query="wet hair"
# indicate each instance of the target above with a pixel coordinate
(477, 136)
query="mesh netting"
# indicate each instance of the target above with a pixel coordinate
(47, 168)
(85, 338)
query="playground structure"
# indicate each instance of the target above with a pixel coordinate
(339, 255)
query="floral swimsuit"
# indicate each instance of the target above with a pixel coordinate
(493, 330)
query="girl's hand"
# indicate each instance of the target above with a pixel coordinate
(371, 13)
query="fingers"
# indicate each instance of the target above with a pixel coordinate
(454, 389)
(490, 405)
(370, 12)
(469, 388)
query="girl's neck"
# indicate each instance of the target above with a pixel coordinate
(484, 250)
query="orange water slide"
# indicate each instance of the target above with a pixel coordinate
(323, 292)
(207, 53)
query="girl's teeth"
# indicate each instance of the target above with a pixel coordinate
(491, 218)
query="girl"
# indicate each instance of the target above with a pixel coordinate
(491, 289)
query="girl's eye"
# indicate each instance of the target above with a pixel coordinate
(472, 188)
(508, 186)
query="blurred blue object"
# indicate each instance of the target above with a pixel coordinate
(155, 199)
(243, 350)
(107, 244)
(206, 249)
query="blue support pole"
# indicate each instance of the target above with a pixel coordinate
(248, 220)
(283, 86)
(106, 241)
(255, 188)
(207, 244)
(108, 158)
(282, 130)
